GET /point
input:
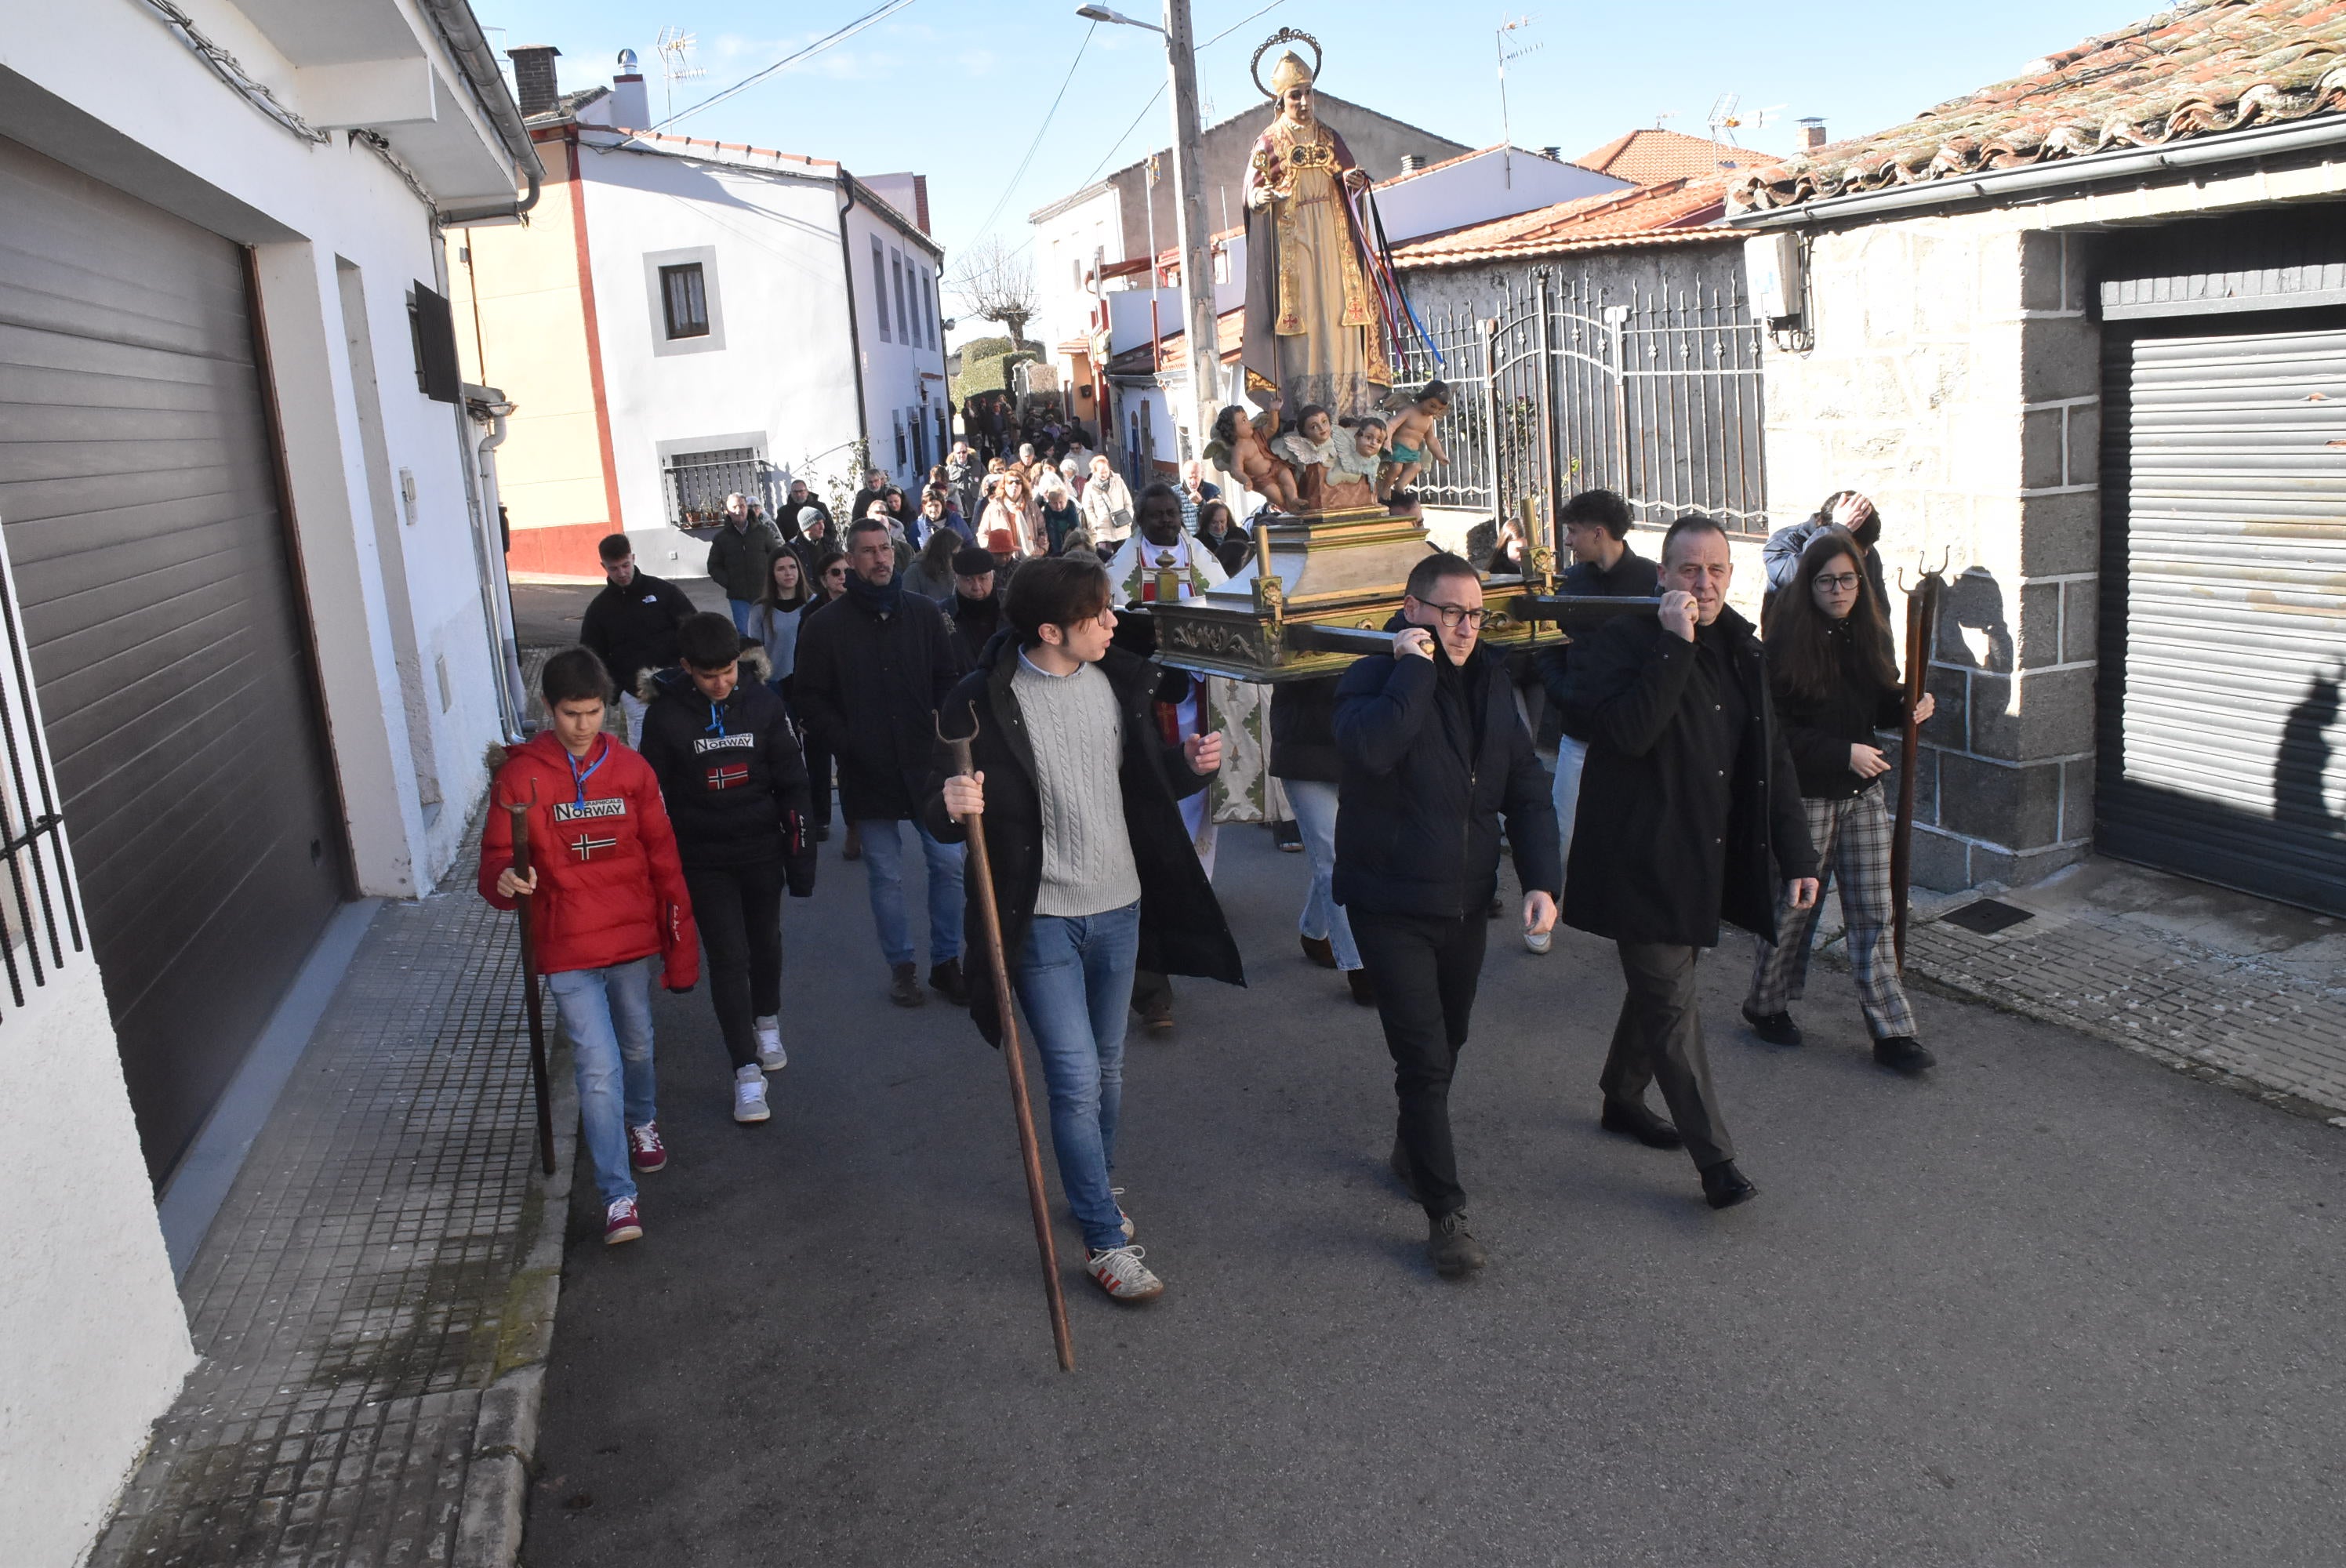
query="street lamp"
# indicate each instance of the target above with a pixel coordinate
(1188, 210)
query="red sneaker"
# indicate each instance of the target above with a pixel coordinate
(621, 1223)
(644, 1150)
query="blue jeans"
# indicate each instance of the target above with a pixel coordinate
(607, 1014)
(744, 612)
(883, 859)
(1571, 756)
(1324, 917)
(1074, 978)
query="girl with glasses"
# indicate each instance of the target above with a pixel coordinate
(1835, 682)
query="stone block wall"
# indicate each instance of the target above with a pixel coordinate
(1956, 379)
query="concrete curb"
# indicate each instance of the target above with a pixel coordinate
(504, 1437)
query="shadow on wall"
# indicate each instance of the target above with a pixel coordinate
(2302, 762)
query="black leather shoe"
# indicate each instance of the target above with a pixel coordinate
(946, 980)
(1318, 949)
(1454, 1249)
(1638, 1123)
(1776, 1028)
(1288, 836)
(1903, 1053)
(1724, 1187)
(1364, 991)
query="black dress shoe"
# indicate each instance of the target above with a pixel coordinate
(1638, 1123)
(1319, 951)
(1724, 1187)
(1364, 991)
(1776, 1028)
(1903, 1053)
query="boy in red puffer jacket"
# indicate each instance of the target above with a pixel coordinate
(607, 893)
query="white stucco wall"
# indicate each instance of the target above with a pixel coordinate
(1066, 245)
(1480, 187)
(776, 370)
(903, 374)
(97, 1344)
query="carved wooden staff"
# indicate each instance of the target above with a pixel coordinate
(1922, 636)
(997, 962)
(534, 1002)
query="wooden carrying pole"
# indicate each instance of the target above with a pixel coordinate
(534, 1002)
(1922, 633)
(1005, 1004)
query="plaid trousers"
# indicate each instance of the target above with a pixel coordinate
(1852, 842)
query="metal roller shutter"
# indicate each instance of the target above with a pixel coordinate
(2222, 753)
(139, 491)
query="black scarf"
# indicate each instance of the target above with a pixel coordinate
(880, 601)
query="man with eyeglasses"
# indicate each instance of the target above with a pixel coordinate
(1689, 771)
(1434, 755)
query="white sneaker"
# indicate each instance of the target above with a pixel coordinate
(749, 1095)
(1539, 941)
(1120, 1271)
(772, 1057)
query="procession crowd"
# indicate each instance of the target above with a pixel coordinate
(1720, 774)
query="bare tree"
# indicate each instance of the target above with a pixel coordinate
(996, 283)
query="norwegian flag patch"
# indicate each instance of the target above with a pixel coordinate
(732, 776)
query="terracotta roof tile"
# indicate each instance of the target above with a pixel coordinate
(2199, 69)
(1650, 154)
(1675, 211)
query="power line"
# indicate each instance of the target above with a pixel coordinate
(1035, 145)
(1116, 146)
(820, 45)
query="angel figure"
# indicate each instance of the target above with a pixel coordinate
(1240, 446)
(1415, 442)
(1352, 474)
(1309, 448)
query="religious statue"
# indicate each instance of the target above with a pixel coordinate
(1317, 327)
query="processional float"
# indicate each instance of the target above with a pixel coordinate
(1325, 319)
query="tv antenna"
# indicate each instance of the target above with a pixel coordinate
(1514, 49)
(675, 46)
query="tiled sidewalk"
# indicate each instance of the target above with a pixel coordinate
(386, 1257)
(2213, 983)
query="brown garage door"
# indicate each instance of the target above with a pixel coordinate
(140, 499)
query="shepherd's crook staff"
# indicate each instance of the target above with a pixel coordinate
(1006, 1005)
(1922, 635)
(535, 1005)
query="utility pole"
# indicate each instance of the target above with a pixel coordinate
(1197, 241)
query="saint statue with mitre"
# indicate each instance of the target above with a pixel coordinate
(1317, 326)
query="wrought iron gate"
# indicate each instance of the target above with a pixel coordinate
(1566, 388)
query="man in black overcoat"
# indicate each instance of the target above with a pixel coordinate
(1688, 775)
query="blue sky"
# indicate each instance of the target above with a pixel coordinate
(958, 89)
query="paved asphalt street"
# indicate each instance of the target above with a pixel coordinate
(2056, 1305)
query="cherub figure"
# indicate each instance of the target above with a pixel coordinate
(1240, 445)
(1353, 475)
(1414, 441)
(1312, 447)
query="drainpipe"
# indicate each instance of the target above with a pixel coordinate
(497, 589)
(854, 333)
